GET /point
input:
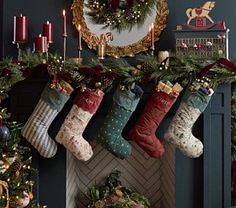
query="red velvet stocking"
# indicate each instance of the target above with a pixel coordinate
(143, 133)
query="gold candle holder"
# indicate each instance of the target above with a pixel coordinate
(18, 51)
(101, 51)
(100, 43)
(64, 36)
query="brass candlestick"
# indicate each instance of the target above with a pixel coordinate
(64, 47)
(79, 55)
(48, 44)
(101, 43)
(18, 51)
(152, 50)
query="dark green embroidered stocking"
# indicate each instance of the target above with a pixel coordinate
(109, 136)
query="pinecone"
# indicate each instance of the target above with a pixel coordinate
(146, 66)
(15, 166)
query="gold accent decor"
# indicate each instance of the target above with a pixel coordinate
(101, 51)
(162, 11)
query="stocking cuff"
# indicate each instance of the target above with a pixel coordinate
(89, 100)
(54, 98)
(196, 99)
(128, 99)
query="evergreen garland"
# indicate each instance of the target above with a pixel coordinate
(113, 195)
(122, 18)
(102, 75)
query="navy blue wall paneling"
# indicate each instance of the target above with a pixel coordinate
(217, 152)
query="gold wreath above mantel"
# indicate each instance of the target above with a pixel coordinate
(122, 51)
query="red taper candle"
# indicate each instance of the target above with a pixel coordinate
(48, 31)
(79, 38)
(20, 29)
(40, 44)
(64, 33)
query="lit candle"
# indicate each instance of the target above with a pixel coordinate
(40, 44)
(20, 29)
(64, 23)
(79, 38)
(48, 31)
(152, 36)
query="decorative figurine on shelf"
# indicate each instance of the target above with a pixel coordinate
(101, 43)
(201, 15)
(200, 36)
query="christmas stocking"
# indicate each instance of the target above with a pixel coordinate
(50, 104)
(85, 106)
(109, 136)
(159, 103)
(179, 132)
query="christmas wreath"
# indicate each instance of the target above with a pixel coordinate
(119, 14)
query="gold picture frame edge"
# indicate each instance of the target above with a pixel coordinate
(124, 51)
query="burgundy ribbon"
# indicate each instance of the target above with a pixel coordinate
(115, 4)
(130, 3)
(223, 61)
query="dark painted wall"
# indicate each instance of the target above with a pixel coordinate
(1, 28)
(40, 11)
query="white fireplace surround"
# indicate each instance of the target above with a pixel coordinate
(155, 178)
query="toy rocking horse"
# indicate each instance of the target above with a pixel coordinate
(201, 15)
(200, 12)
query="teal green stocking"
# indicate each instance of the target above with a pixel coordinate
(110, 134)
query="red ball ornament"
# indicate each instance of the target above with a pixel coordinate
(6, 72)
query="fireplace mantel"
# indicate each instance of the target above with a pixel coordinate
(202, 182)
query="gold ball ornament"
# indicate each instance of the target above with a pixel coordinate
(44, 61)
(17, 173)
(98, 84)
(23, 202)
(83, 88)
(122, 87)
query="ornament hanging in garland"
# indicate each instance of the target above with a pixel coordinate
(4, 131)
(120, 14)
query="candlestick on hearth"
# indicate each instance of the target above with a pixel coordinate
(79, 44)
(152, 39)
(64, 35)
(20, 32)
